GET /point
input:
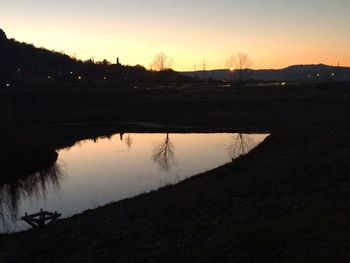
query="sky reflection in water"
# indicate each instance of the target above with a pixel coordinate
(95, 172)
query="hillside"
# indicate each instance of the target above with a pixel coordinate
(313, 73)
(23, 64)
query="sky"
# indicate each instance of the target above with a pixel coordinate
(273, 33)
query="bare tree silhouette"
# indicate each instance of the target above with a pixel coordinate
(161, 62)
(164, 154)
(35, 185)
(239, 66)
(241, 145)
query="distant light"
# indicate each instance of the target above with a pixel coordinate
(49, 77)
(71, 73)
(104, 78)
(309, 76)
(283, 83)
(318, 74)
(231, 69)
(79, 77)
(8, 85)
(333, 74)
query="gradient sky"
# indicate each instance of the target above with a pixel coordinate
(274, 33)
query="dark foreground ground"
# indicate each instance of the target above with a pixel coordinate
(287, 201)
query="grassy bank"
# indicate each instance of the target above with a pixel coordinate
(265, 107)
(284, 202)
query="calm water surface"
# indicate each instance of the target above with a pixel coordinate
(95, 172)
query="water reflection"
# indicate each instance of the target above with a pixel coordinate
(36, 185)
(128, 140)
(241, 144)
(164, 154)
(111, 168)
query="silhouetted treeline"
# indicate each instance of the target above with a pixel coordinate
(23, 65)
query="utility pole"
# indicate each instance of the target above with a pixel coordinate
(338, 72)
(204, 67)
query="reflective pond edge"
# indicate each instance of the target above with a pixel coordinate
(38, 185)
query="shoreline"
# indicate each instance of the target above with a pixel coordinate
(144, 128)
(285, 201)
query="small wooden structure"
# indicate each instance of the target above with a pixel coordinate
(38, 220)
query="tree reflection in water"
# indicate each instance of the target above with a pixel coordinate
(128, 140)
(164, 154)
(241, 144)
(34, 185)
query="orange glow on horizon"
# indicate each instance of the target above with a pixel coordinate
(280, 35)
(267, 56)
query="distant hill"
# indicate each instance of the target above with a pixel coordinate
(23, 64)
(24, 61)
(2, 35)
(318, 72)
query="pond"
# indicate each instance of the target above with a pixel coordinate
(96, 172)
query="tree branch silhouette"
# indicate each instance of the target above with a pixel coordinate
(164, 154)
(33, 185)
(241, 145)
(239, 66)
(161, 62)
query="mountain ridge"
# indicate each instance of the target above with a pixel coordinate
(300, 72)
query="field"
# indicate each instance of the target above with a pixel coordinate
(286, 201)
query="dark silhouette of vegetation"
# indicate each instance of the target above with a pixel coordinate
(2, 35)
(239, 66)
(241, 144)
(23, 65)
(161, 62)
(33, 185)
(164, 154)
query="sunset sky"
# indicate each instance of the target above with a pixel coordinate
(274, 33)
